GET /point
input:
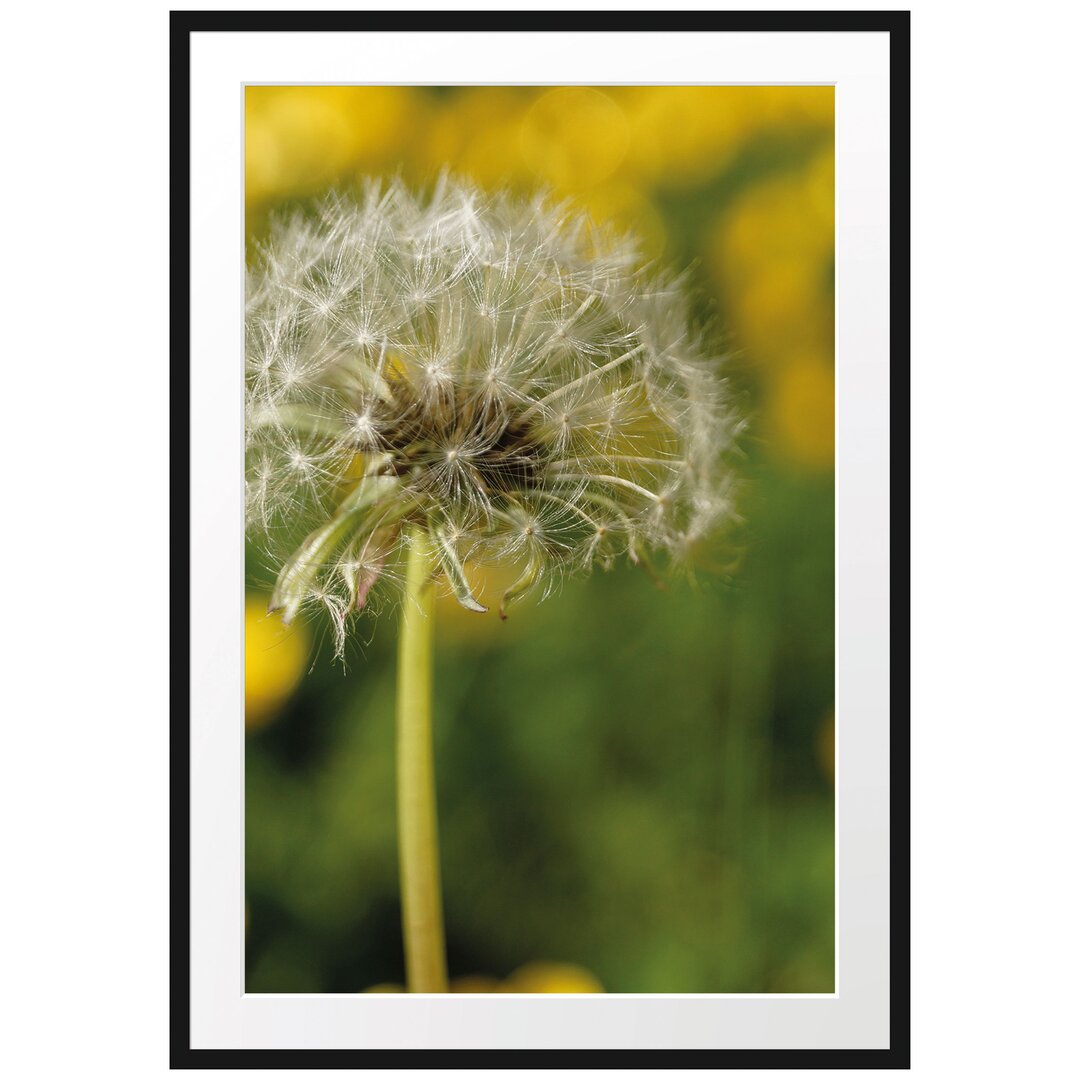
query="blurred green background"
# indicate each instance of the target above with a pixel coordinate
(635, 786)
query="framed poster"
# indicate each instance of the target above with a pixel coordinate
(473, 311)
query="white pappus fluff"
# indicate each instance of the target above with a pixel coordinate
(501, 373)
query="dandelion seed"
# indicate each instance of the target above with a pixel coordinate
(502, 375)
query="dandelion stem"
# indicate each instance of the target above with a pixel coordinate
(418, 845)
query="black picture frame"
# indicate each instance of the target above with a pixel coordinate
(894, 23)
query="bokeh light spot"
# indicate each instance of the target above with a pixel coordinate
(574, 137)
(274, 659)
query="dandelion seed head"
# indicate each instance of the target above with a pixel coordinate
(502, 373)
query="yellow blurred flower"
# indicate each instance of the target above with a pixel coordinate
(780, 309)
(801, 412)
(475, 135)
(789, 218)
(772, 257)
(574, 137)
(821, 189)
(628, 207)
(274, 659)
(301, 138)
(791, 107)
(684, 136)
(539, 977)
(543, 977)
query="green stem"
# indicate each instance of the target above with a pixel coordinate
(418, 844)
